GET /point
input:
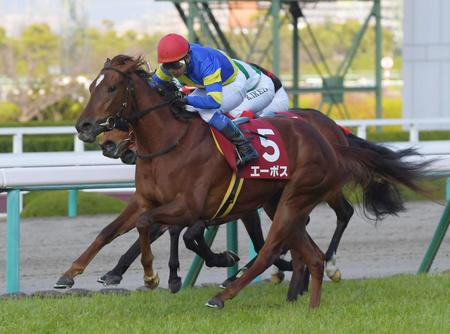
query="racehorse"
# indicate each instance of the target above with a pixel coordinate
(120, 144)
(181, 177)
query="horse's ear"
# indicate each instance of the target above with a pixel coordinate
(148, 67)
(107, 61)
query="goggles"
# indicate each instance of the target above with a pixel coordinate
(175, 65)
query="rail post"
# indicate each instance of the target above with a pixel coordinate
(13, 241)
(232, 244)
(438, 236)
(72, 205)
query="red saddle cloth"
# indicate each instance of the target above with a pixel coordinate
(273, 161)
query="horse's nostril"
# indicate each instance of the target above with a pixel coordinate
(108, 146)
(86, 127)
(128, 157)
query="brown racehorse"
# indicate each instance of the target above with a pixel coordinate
(120, 144)
(181, 177)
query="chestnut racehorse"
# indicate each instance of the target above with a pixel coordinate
(120, 144)
(181, 177)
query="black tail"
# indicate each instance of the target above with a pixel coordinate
(380, 171)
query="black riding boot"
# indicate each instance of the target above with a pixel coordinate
(245, 149)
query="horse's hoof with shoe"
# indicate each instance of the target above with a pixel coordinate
(215, 302)
(175, 285)
(64, 283)
(232, 258)
(332, 270)
(109, 279)
(151, 282)
(277, 277)
(223, 260)
(335, 276)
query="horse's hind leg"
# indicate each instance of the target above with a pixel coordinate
(174, 263)
(288, 214)
(298, 272)
(122, 224)
(344, 211)
(303, 247)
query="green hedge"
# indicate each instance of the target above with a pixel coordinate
(42, 143)
(54, 203)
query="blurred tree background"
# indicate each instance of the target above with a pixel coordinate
(44, 77)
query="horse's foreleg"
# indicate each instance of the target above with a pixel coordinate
(114, 276)
(145, 220)
(122, 224)
(195, 241)
(174, 213)
(174, 263)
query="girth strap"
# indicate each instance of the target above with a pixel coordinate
(231, 195)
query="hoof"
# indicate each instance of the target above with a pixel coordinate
(64, 283)
(336, 276)
(277, 277)
(151, 282)
(215, 302)
(175, 285)
(232, 258)
(292, 297)
(109, 279)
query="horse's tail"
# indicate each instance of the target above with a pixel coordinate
(380, 171)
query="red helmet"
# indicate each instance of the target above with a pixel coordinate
(172, 47)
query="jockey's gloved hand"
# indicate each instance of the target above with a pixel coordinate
(180, 101)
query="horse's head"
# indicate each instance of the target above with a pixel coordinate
(117, 144)
(113, 98)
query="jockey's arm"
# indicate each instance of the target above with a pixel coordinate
(160, 77)
(212, 82)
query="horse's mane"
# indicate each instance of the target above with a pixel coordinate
(136, 64)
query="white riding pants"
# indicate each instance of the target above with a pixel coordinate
(258, 98)
(235, 96)
(279, 103)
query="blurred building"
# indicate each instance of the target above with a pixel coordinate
(426, 59)
(242, 13)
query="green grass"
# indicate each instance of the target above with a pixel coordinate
(54, 203)
(399, 304)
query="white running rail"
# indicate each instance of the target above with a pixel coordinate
(18, 133)
(413, 126)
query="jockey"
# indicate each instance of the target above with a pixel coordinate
(221, 86)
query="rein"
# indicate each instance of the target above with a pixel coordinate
(119, 121)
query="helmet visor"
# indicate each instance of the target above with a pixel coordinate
(175, 65)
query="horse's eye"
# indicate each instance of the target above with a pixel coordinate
(112, 89)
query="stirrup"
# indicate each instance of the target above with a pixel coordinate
(240, 120)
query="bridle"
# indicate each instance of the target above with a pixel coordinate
(120, 122)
